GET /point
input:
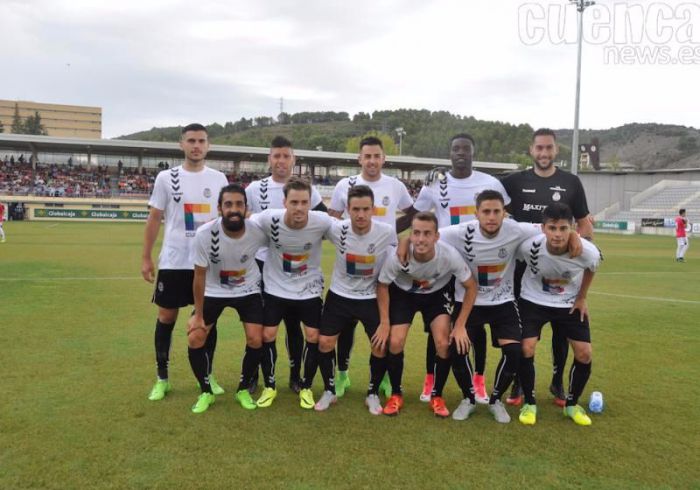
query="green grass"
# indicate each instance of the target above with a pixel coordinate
(77, 364)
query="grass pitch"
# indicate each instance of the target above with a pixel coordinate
(77, 364)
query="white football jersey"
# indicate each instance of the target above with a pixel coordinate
(390, 195)
(359, 258)
(188, 200)
(293, 266)
(454, 200)
(268, 194)
(554, 280)
(491, 260)
(425, 277)
(231, 268)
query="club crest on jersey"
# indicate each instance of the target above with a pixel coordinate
(502, 253)
(207, 192)
(244, 258)
(370, 249)
(556, 196)
(307, 246)
(385, 201)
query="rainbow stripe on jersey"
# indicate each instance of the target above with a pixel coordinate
(457, 212)
(295, 263)
(359, 265)
(490, 275)
(191, 209)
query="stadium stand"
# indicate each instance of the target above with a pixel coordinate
(663, 200)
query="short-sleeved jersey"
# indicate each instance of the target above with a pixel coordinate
(293, 266)
(268, 194)
(359, 258)
(454, 200)
(390, 195)
(530, 194)
(230, 262)
(188, 200)
(425, 277)
(2, 212)
(554, 280)
(491, 260)
(680, 227)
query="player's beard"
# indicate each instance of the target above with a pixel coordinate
(233, 225)
(544, 164)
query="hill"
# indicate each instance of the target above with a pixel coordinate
(645, 146)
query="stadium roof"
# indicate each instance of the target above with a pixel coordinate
(158, 149)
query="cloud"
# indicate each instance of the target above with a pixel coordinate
(164, 62)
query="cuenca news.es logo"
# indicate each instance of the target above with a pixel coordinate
(629, 33)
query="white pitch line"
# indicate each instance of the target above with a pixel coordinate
(648, 298)
(51, 279)
(53, 225)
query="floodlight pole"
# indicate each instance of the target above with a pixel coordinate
(401, 133)
(580, 7)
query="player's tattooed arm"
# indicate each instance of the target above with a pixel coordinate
(380, 337)
(580, 302)
(404, 222)
(149, 239)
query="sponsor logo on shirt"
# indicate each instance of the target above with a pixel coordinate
(490, 275)
(359, 265)
(554, 286)
(459, 212)
(191, 212)
(232, 278)
(295, 263)
(533, 207)
(379, 211)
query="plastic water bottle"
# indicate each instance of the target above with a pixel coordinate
(596, 403)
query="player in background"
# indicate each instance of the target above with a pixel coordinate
(186, 197)
(390, 196)
(531, 191)
(265, 194)
(361, 246)
(452, 197)
(422, 283)
(3, 217)
(681, 235)
(554, 289)
(226, 276)
(293, 281)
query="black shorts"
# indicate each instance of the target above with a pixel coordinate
(403, 305)
(308, 311)
(503, 319)
(173, 288)
(534, 317)
(340, 313)
(249, 308)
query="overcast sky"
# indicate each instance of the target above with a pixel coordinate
(167, 62)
